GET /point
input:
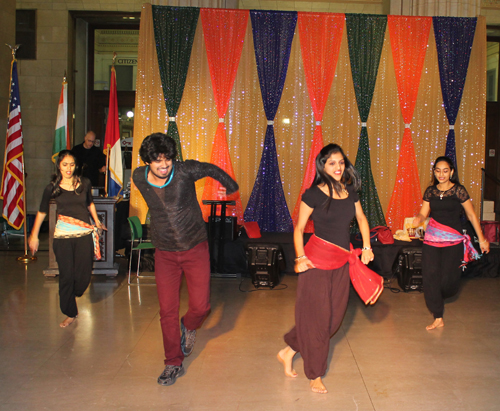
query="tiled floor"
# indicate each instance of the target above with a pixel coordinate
(381, 358)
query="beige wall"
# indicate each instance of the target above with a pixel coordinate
(40, 80)
(7, 35)
(491, 10)
(332, 6)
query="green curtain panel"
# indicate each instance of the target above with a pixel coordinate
(174, 29)
(365, 36)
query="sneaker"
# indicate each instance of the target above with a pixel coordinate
(188, 339)
(170, 374)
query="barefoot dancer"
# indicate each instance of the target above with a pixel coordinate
(322, 294)
(441, 256)
(73, 243)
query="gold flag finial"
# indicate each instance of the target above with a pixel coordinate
(114, 57)
(13, 49)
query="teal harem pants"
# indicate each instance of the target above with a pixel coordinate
(322, 297)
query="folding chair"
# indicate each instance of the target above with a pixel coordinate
(136, 236)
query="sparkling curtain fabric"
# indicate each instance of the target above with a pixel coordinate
(150, 110)
(365, 34)
(245, 118)
(454, 38)
(320, 38)
(174, 29)
(409, 39)
(224, 32)
(273, 34)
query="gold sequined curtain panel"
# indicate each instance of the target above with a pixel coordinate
(150, 111)
(246, 122)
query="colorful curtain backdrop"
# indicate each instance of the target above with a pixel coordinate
(320, 38)
(224, 32)
(245, 118)
(454, 38)
(409, 39)
(174, 33)
(273, 35)
(365, 34)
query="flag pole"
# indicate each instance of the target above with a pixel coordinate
(107, 171)
(25, 258)
(108, 146)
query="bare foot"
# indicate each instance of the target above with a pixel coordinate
(67, 321)
(285, 357)
(438, 322)
(317, 386)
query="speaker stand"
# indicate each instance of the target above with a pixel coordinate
(217, 264)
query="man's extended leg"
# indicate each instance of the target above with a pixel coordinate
(168, 273)
(196, 266)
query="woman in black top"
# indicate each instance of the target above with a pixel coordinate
(322, 295)
(73, 245)
(444, 200)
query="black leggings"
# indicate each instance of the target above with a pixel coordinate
(75, 257)
(441, 275)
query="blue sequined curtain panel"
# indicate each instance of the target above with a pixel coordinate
(174, 29)
(365, 35)
(454, 38)
(272, 34)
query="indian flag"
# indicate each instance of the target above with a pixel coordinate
(61, 136)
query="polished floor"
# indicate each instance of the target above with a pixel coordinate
(382, 358)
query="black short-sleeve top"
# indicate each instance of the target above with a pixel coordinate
(332, 224)
(70, 203)
(446, 206)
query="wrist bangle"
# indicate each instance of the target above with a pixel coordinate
(482, 242)
(300, 257)
(366, 248)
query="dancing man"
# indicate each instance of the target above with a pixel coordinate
(179, 234)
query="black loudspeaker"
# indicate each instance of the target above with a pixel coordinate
(230, 227)
(408, 268)
(265, 263)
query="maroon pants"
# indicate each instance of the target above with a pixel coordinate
(322, 297)
(169, 266)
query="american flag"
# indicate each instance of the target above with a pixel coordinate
(13, 170)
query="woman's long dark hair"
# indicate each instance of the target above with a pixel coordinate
(349, 177)
(453, 178)
(57, 177)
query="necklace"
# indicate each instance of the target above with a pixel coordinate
(442, 192)
(67, 185)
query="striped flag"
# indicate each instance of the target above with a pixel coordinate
(13, 170)
(61, 136)
(112, 143)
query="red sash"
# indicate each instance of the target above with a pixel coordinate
(328, 256)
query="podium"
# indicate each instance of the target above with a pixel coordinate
(217, 264)
(105, 208)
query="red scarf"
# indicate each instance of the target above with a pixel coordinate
(328, 256)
